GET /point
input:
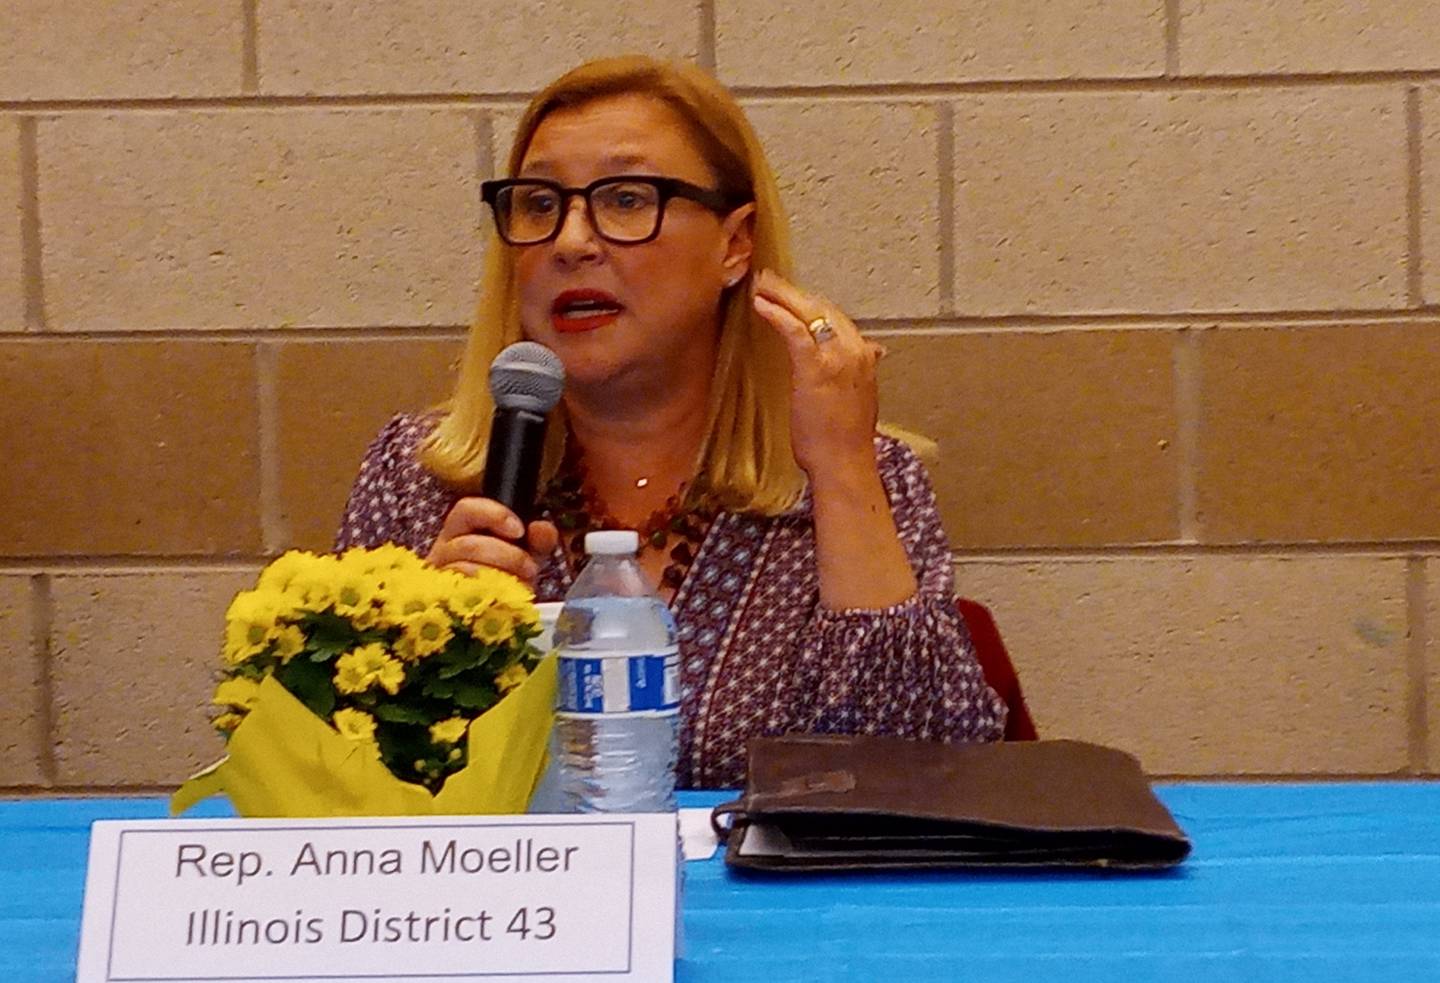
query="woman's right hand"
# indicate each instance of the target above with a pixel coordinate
(480, 532)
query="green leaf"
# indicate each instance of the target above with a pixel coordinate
(475, 696)
(441, 689)
(310, 684)
(399, 714)
(449, 669)
(328, 635)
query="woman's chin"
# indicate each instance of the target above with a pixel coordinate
(589, 365)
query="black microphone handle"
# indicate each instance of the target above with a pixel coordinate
(512, 461)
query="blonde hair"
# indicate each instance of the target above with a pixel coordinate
(746, 462)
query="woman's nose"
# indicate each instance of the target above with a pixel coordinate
(576, 239)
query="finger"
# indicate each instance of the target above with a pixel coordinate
(468, 569)
(487, 551)
(476, 514)
(543, 538)
(803, 304)
(793, 331)
(775, 288)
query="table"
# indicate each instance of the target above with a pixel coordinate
(1313, 882)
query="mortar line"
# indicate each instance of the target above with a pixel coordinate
(964, 324)
(326, 335)
(862, 91)
(250, 47)
(1082, 86)
(1188, 409)
(274, 527)
(945, 123)
(32, 267)
(42, 617)
(1418, 717)
(916, 326)
(1172, 38)
(105, 564)
(1414, 282)
(706, 41)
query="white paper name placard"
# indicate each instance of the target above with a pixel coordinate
(493, 898)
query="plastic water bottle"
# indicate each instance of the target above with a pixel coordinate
(618, 709)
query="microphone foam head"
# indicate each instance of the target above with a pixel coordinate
(527, 376)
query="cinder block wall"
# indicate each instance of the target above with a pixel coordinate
(1163, 276)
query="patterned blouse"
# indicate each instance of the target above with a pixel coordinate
(759, 655)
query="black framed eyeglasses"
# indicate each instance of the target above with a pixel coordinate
(626, 209)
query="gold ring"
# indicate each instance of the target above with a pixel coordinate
(821, 330)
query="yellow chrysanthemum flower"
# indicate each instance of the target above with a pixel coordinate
(278, 575)
(511, 676)
(313, 587)
(427, 632)
(237, 692)
(369, 665)
(381, 560)
(469, 600)
(356, 725)
(407, 595)
(356, 597)
(449, 731)
(289, 642)
(495, 625)
(492, 604)
(250, 625)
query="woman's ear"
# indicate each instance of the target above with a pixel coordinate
(739, 239)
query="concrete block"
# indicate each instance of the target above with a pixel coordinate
(333, 400)
(128, 447)
(135, 655)
(861, 185)
(12, 282)
(402, 46)
(849, 42)
(1046, 439)
(1263, 37)
(1250, 200)
(1430, 195)
(20, 701)
(120, 49)
(245, 219)
(1211, 665)
(1319, 433)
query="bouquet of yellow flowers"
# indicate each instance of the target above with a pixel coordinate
(372, 683)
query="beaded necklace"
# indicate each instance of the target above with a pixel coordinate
(577, 508)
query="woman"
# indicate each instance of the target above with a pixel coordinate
(710, 403)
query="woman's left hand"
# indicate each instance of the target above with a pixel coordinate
(834, 400)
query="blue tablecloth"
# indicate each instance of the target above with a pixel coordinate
(1325, 882)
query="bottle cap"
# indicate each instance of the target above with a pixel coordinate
(613, 542)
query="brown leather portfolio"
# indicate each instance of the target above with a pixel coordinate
(827, 802)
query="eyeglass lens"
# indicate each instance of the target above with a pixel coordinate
(623, 211)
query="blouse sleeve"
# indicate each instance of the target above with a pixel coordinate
(394, 498)
(907, 670)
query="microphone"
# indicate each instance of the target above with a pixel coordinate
(526, 380)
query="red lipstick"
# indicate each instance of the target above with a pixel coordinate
(583, 310)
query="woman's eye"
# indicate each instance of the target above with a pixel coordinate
(536, 202)
(629, 197)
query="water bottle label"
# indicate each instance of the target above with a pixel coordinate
(639, 682)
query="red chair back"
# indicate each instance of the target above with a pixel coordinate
(999, 671)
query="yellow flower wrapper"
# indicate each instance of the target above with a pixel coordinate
(285, 762)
